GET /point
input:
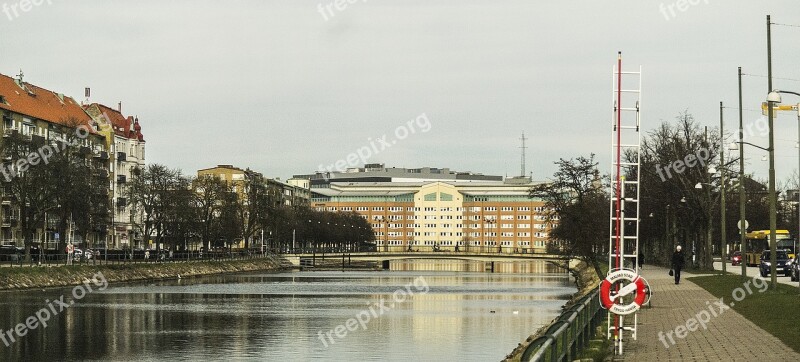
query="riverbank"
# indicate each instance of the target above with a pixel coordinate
(63, 276)
(586, 280)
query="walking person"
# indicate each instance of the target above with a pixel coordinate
(677, 263)
(641, 261)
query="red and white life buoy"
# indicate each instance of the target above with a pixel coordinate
(636, 284)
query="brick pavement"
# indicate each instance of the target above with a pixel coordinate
(729, 337)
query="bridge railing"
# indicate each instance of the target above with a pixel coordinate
(569, 334)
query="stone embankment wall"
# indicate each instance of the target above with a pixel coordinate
(59, 276)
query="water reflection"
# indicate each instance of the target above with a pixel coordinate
(463, 316)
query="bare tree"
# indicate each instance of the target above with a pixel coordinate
(577, 206)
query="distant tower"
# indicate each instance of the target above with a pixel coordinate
(522, 163)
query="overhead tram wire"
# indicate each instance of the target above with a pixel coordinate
(764, 76)
(787, 25)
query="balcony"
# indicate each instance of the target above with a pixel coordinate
(121, 179)
(103, 155)
(122, 202)
(101, 173)
(121, 156)
(38, 140)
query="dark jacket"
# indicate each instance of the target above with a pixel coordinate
(678, 260)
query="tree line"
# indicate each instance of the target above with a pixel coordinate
(679, 203)
(179, 211)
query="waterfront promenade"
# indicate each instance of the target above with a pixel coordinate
(729, 337)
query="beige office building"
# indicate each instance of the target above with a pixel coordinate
(489, 216)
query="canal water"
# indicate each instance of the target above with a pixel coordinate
(417, 311)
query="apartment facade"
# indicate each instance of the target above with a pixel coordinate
(51, 119)
(486, 216)
(126, 147)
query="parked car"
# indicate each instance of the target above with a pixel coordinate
(11, 253)
(782, 263)
(794, 270)
(736, 258)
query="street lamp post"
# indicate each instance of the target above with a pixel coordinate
(742, 227)
(742, 222)
(490, 222)
(772, 216)
(724, 241)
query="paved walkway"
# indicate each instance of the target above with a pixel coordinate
(729, 337)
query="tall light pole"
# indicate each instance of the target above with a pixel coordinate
(489, 221)
(723, 239)
(742, 227)
(772, 196)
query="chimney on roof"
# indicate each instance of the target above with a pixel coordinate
(119, 107)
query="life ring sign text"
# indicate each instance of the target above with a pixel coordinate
(611, 299)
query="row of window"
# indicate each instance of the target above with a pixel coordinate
(432, 209)
(453, 217)
(540, 244)
(458, 226)
(459, 234)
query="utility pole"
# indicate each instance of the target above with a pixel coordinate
(742, 227)
(723, 241)
(772, 196)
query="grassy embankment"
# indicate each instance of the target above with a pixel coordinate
(773, 310)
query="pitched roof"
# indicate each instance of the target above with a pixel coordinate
(120, 124)
(40, 103)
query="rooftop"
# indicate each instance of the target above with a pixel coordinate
(36, 102)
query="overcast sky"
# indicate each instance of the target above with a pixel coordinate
(284, 87)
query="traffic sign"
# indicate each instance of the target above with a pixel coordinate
(746, 225)
(777, 107)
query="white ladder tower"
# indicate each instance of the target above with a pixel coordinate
(624, 187)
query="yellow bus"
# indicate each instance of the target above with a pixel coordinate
(757, 241)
